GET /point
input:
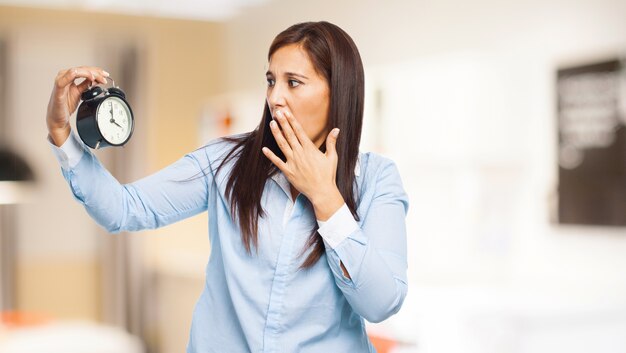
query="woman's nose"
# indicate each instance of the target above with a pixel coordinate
(276, 98)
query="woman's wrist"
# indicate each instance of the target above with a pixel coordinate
(59, 135)
(326, 203)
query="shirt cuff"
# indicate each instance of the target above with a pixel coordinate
(70, 153)
(338, 227)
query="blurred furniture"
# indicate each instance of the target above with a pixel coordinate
(478, 319)
(26, 333)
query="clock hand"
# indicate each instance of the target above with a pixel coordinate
(112, 116)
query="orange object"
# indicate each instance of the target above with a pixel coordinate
(14, 319)
(382, 344)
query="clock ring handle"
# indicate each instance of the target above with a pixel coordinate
(114, 89)
(107, 78)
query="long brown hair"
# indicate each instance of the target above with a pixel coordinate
(335, 57)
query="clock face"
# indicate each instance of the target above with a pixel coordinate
(114, 120)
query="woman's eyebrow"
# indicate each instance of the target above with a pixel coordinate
(296, 74)
(270, 73)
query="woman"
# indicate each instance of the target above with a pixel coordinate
(308, 235)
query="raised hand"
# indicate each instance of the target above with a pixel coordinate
(66, 96)
(308, 169)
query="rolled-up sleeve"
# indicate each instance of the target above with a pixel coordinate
(171, 194)
(374, 254)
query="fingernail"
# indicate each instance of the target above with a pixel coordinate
(264, 149)
(105, 73)
(336, 132)
(273, 123)
(279, 113)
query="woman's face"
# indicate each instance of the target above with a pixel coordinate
(293, 85)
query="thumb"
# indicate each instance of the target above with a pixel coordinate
(331, 142)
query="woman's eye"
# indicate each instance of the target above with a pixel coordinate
(270, 82)
(294, 83)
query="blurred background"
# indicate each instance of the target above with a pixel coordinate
(506, 120)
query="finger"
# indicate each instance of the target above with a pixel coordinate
(298, 130)
(287, 130)
(94, 69)
(70, 75)
(331, 142)
(65, 77)
(78, 89)
(275, 159)
(61, 73)
(100, 70)
(99, 74)
(82, 87)
(280, 140)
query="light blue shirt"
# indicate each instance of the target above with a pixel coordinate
(263, 302)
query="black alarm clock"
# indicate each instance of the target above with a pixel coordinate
(104, 117)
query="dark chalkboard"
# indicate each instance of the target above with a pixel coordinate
(592, 144)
